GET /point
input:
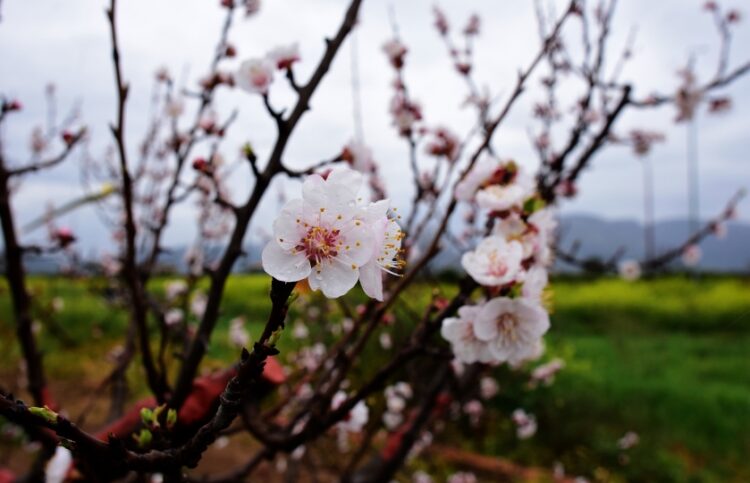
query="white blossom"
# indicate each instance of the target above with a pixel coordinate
(321, 237)
(629, 440)
(495, 185)
(495, 261)
(462, 477)
(534, 282)
(58, 466)
(460, 332)
(198, 304)
(691, 255)
(525, 424)
(238, 335)
(175, 289)
(629, 270)
(255, 75)
(546, 372)
(174, 317)
(359, 156)
(357, 417)
(395, 51)
(284, 56)
(488, 387)
(512, 328)
(386, 249)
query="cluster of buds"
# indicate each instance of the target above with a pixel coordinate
(406, 113)
(461, 57)
(256, 75)
(731, 17)
(688, 96)
(444, 144)
(216, 79)
(643, 141)
(251, 6)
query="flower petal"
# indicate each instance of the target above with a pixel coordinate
(371, 279)
(333, 278)
(357, 247)
(284, 265)
(288, 229)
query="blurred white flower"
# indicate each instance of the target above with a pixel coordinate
(173, 317)
(460, 332)
(546, 372)
(58, 466)
(691, 255)
(488, 387)
(629, 440)
(494, 262)
(255, 76)
(629, 270)
(238, 335)
(284, 56)
(525, 424)
(512, 329)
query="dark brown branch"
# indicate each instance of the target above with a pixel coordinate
(245, 213)
(16, 275)
(601, 136)
(709, 228)
(156, 381)
(52, 162)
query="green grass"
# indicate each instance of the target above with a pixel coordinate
(667, 358)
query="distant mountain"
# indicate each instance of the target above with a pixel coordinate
(597, 237)
(602, 238)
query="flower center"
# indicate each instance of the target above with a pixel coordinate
(503, 175)
(507, 326)
(497, 267)
(320, 244)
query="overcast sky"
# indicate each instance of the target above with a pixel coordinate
(67, 42)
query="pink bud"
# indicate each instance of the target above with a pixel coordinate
(68, 137)
(14, 105)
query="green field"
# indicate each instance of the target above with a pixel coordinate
(667, 358)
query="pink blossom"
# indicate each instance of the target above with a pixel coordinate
(495, 262)
(472, 27)
(546, 372)
(255, 75)
(322, 236)
(441, 21)
(173, 317)
(459, 331)
(629, 440)
(238, 335)
(359, 156)
(629, 270)
(284, 57)
(488, 387)
(525, 424)
(444, 143)
(512, 328)
(691, 255)
(395, 51)
(405, 114)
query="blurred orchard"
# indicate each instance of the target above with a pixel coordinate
(364, 365)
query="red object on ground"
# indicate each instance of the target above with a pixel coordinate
(6, 476)
(196, 408)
